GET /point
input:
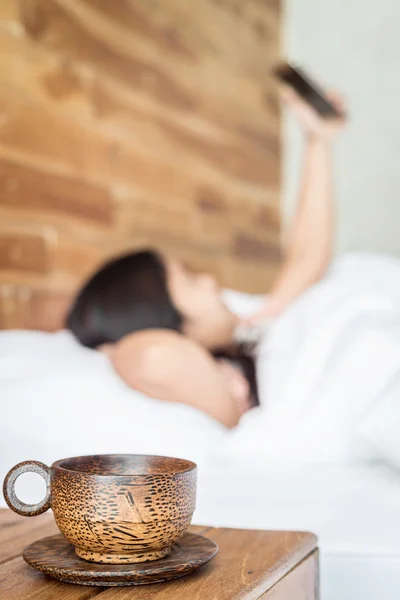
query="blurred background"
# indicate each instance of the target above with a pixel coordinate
(353, 45)
(130, 123)
(139, 122)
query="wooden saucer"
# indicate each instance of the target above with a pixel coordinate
(55, 557)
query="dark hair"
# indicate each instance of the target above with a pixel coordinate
(129, 294)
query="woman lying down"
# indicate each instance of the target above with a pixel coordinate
(167, 330)
(325, 349)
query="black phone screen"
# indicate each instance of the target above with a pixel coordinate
(307, 89)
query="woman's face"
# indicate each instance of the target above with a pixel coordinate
(197, 297)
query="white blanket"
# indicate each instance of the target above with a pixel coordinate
(327, 360)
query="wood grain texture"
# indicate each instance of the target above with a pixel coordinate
(301, 582)
(248, 565)
(16, 579)
(55, 557)
(17, 532)
(27, 252)
(19, 581)
(130, 123)
(22, 187)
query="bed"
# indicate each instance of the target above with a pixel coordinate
(58, 405)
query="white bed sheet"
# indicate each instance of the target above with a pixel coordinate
(354, 510)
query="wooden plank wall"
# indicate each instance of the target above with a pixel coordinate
(126, 123)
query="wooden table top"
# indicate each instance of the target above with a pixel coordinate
(249, 563)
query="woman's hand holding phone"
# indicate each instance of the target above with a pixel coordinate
(312, 123)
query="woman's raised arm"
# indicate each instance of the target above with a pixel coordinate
(309, 242)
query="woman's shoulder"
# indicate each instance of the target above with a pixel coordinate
(146, 337)
(146, 344)
(153, 353)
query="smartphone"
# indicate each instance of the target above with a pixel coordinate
(307, 89)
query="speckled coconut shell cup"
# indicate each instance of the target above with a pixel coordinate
(116, 509)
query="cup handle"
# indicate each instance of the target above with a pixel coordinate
(27, 510)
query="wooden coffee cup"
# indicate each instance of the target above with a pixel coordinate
(114, 508)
